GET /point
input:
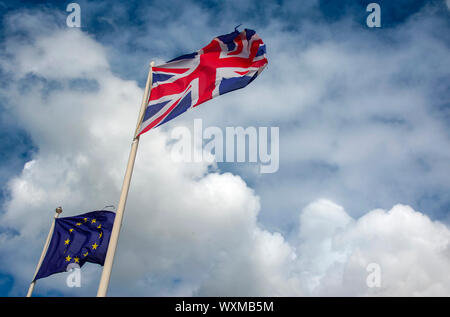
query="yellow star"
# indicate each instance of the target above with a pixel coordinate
(101, 234)
(70, 230)
(85, 254)
(77, 260)
(99, 226)
(78, 223)
(93, 221)
(85, 219)
(67, 241)
(68, 258)
(94, 246)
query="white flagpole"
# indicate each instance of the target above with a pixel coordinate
(106, 273)
(44, 251)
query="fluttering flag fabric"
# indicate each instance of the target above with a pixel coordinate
(229, 62)
(80, 239)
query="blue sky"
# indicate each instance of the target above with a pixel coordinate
(364, 147)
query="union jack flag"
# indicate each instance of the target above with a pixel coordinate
(229, 62)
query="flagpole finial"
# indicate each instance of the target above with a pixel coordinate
(152, 63)
(59, 210)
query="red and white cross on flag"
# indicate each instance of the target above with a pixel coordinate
(228, 63)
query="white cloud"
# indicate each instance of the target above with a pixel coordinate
(188, 231)
(412, 251)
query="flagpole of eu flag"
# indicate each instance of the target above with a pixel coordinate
(79, 239)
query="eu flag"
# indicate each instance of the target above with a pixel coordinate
(80, 239)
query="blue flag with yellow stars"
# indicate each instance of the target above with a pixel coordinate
(80, 239)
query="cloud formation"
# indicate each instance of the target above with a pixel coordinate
(195, 229)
